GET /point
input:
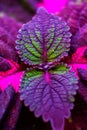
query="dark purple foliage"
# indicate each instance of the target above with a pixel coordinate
(22, 10)
(79, 39)
(79, 113)
(85, 53)
(10, 107)
(4, 65)
(82, 74)
(83, 83)
(4, 104)
(8, 32)
(75, 15)
(76, 18)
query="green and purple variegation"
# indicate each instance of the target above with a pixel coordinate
(47, 87)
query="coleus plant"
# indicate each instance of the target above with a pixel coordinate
(48, 85)
(11, 67)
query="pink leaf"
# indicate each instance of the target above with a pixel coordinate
(53, 5)
(78, 60)
(75, 66)
(13, 80)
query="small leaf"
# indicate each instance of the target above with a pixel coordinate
(50, 94)
(44, 39)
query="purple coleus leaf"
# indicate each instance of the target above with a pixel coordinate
(49, 94)
(47, 87)
(45, 38)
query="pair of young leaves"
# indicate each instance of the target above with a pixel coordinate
(48, 86)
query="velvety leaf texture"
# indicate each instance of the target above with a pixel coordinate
(45, 38)
(49, 94)
(47, 87)
(8, 31)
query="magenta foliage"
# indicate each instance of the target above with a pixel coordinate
(53, 6)
(13, 80)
